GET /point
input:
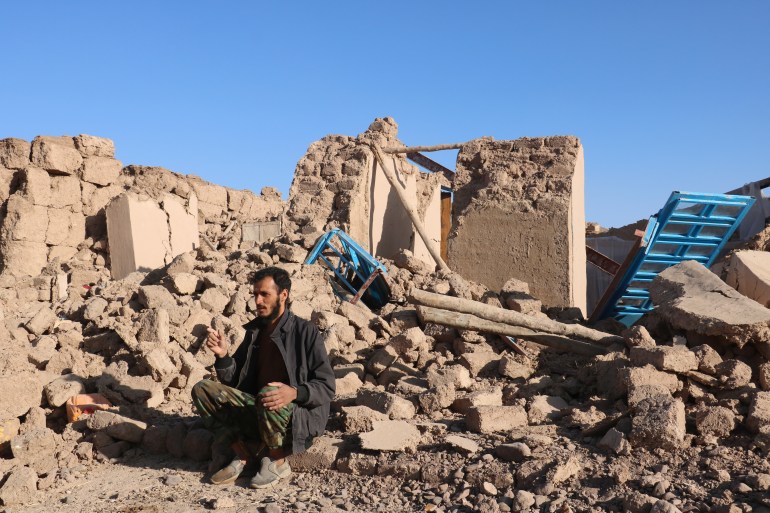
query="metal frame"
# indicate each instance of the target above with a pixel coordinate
(352, 258)
(677, 233)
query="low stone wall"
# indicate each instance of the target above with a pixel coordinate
(54, 191)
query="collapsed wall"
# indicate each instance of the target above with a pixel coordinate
(55, 190)
(338, 184)
(518, 212)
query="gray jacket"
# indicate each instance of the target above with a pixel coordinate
(307, 365)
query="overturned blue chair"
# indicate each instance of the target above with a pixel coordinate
(690, 226)
(356, 272)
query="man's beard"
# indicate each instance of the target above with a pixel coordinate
(263, 321)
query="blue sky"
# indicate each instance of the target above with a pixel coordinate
(664, 95)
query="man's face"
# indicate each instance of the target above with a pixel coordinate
(270, 304)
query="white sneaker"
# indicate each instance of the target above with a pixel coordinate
(270, 473)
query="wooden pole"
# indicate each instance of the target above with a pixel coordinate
(417, 149)
(471, 322)
(510, 317)
(409, 210)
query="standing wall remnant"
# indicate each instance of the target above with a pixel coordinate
(144, 236)
(518, 212)
(338, 184)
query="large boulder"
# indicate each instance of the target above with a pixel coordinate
(692, 298)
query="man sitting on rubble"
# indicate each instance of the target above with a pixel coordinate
(275, 390)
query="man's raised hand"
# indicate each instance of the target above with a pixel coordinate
(217, 343)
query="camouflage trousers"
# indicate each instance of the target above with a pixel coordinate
(233, 415)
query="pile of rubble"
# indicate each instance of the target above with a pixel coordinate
(672, 415)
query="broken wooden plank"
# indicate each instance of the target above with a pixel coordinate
(471, 322)
(602, 261)
(431, 165)
(510, 317)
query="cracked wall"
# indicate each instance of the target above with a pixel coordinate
(518, 212)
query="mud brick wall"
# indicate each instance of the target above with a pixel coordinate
(337, 184)
(518, 212)
(54, 191)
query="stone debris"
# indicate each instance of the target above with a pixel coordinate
(390, 435)
(444, 419)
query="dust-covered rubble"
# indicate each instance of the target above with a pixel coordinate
(426, 418)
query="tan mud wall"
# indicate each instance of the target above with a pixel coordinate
(54, 191)
(518, 212)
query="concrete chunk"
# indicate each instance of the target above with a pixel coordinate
(543, 408)
(36, 186)
(394, 406)
(101, 170)
(14, 153)
(20, 488)
(185, 283)
(117, 426)
(491, 397)
(665, 358)
(714, 420)
(638, 336)
(749, 273)
(481, 362)
(59, 390)
(412, 339)
(457, 375)
(509, 367)
(733, 374)
(759, 412)
(25, 221)
(138, 234)
(91, 146)
(615, 442)
(214, 300)
(322, 455)
(490, 419)
(156, 296)
(659, 423)
(348, 384)
(56, 154)
(708, 358)
(358, 419)
(391, 435)
(637, 376)
(41, 322)
(437, 398)
(462, 444)
(691, 297)
(19, 394)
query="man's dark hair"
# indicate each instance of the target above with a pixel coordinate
(279, 276)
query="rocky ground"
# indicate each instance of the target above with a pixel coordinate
(427, 418)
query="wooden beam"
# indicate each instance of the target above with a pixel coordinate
(471, 322)
(446, 223)
(434, 252)
(602, 261)
(431, 165)
(417, 149)
(510, 317)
